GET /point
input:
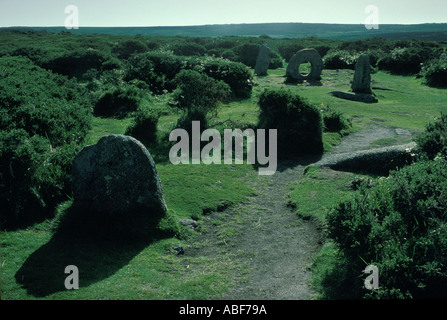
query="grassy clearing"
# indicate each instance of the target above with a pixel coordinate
(404, 102)
(154, 270)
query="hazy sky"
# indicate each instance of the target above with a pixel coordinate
(199, 12)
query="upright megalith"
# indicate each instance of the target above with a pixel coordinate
(303, 56)
(362, 76)
(117, 176)
(263, 61)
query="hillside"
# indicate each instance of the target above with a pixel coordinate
(433, 32)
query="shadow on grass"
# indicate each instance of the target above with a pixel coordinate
(98, 253)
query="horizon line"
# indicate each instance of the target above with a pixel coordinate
(224, 24)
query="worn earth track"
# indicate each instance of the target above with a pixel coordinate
(275, 244)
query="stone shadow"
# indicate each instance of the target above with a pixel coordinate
(98, 253)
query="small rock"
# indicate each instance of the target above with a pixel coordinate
(189, 223)
(402, 132)
(179, 249)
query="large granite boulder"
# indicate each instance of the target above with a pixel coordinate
(117, 175)
(263, 61)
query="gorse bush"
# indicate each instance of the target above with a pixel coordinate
(41, 102)
(44, 119)
(188, 49)
(77, 63)
(247, 53)
(399, 225)
(407, 60)
(276, 61)
(340, 59)
(125, 49)
(120, 101)
(335, 121)
(198, 95)
(435, 71)
(158, 70)
(236, 75)
(144, 125)
(433, 141)
(299, 124)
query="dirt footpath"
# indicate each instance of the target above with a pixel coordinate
(277, 246)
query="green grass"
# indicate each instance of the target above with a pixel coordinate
(33, 261)
(312, 197)
(105, 126)
(143, 271)
(191, 190)
(403, 102)
(33, 268)
(318, 190)
(153, 270)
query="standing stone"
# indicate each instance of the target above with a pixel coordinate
(115, 176)
(302, 56)
(362, 76)
(263, 61)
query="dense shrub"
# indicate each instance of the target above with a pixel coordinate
(125, 49)
(276, 61)
(156, 68)
(406, 60)
(299, 123)
(44, 119)
(141, 68)
(433, 141)
(287, 50)
(198, 95)
(229, 55)
(367, 44)
(76, 63)
(37, 55)
(188, 48)
(335, 121)
(144, 125)
(120, 101)
(399, 225)
(247, 53)
(236, 75)
(159, 69)
(340, 59)
(435, 71)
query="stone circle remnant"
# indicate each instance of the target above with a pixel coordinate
(117, 175)
(303, 56)
(263, 60)
(362, 76)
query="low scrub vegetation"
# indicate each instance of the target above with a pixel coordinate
(299, 124)
(44, 119)
(398, 224)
